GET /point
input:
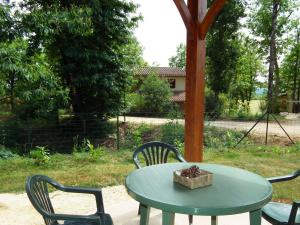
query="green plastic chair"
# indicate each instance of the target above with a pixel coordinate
(37, 192)
(280, 213)
(156, 152)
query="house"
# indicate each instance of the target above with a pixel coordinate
(174, 76)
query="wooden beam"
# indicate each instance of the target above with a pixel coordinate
(210, 16)
(197, 21)
(195, 65)
(185, 14)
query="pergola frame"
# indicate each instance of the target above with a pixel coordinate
(197, 19)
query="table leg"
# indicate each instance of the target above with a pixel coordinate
(214, 220)
(145, 212)
(255, 217)
(168, 218)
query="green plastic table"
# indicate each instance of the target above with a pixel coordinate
(233, 191)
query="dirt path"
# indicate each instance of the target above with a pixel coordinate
(292, 127)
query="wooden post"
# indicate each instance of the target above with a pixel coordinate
(197, 21)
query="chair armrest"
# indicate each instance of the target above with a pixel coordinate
(284, 178)
(83, 190)
(181, 159)
(86, 218)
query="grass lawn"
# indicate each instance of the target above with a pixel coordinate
(113, 166)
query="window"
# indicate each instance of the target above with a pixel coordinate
(172, 83)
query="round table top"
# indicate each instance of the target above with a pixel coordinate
(233, 190)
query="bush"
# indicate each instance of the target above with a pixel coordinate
(5, 153)
(172, 132)
(40, 155)
(156, 94)
(220, 138)
(213, 104)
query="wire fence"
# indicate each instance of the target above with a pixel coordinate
(131, 130)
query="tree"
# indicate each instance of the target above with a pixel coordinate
(290, 73)
(156, 94)
(221, 47)
(30, 87)
(179, 60)
(87, 43)
(27, 82)
(269, 20)
(248, 67)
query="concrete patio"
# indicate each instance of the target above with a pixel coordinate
(16, 209)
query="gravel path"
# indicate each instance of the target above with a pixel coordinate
(292, 127)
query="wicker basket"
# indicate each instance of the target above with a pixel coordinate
(205, 179)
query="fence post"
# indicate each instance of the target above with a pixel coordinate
(84, 126)
(118, 133)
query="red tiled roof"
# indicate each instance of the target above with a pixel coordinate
(161, 71)
(178, 97)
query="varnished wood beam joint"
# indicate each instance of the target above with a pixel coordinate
(185, 14)
(211, 14)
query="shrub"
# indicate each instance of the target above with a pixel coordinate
(96, 153)
(40, 155)
(5, 153)
(156, 94)
(220, 138)
(172, 131)
(213, 104)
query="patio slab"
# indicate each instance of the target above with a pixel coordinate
(125, 213)
(16, 209)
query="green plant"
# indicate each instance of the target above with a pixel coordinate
(83, 145)
(172, 131)
(40, 155)
(217, 138)
(5, 153)
(156, 94)
(96, 153)
(179, 145)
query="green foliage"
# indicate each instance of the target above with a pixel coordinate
(290, 72)
(260, 22)
(6, 153)
(96, 153)
(156, 94)
(135, 102)
(213, 104)
(31, 88)
(269, 21)
(40, 155)
(221, 47)
(172, 132)
(248, 66)
(91, 46)
(85, 145)
(179, 145)
(179, 60)
(216, 138)
(8, 26)
(82, 145)
(134, 135)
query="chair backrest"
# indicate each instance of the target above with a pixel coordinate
(38, 194)
(155, 152)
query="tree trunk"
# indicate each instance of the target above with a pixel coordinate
(276, 86)
(11, 83)
(272, 56)
(296, 75)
